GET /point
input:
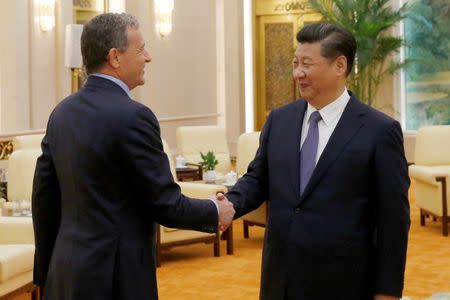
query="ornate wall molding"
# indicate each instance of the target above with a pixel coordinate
(6, 148)
(189, 117)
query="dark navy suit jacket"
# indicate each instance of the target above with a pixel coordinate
(345, 237)
(100, 185)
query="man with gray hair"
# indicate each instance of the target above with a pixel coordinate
(103, 179)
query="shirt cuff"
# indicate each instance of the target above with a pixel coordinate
(217, 205)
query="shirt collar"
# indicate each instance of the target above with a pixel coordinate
(116, 81)
(330, 112)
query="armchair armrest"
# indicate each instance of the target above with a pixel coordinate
(429, 174)
(200, 190)
(16, 230)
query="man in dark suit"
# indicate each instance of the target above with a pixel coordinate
(103, 179)
(336, 178)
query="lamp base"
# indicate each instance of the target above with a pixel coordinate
(75, 79)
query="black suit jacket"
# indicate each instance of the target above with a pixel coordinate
(346, 236)
(100, 185)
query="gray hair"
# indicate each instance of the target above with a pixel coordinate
(102, 33)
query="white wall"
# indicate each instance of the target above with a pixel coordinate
(14, 61)
(34, 78)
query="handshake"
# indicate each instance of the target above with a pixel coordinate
(226, 211)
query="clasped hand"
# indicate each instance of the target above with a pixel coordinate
(226, 211)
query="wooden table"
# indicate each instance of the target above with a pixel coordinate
(188, 173)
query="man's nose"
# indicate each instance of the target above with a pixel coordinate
(147, 58)
(299, 73)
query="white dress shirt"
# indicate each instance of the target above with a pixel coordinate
(331, 114)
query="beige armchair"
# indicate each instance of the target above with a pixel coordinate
(431, 173)
(16, 258)
(247, 145)
(16, 233)
(191, 140)
(171, 237)
(21, 165)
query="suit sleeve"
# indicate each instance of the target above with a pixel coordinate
(392, 212)
(148, 166)
(46, 208)
(252, 189)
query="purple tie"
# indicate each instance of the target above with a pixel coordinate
(308, 152)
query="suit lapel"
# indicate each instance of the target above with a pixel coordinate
(293, 143)
(346, 129)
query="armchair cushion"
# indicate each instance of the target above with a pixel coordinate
(15, 259)
(21, 167)
(16, 283)
(16, 255)
(170, 236)
(16, 230)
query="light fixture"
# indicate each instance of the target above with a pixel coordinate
(163, 14)
(72, 53)
(115, 6)
(46, 14)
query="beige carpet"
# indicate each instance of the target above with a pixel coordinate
(192, 273)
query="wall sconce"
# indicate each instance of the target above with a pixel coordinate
(163, 14)
(72, 53)
(46, 14)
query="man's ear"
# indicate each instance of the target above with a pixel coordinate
(341, 65)
(113, 58)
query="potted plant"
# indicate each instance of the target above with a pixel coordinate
(209, 163)
(371, 22)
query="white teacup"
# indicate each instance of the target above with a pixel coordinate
(230, 178)
(180, 161)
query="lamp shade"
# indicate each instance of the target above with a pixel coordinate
(72, 53)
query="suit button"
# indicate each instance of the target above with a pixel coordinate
(297, 210)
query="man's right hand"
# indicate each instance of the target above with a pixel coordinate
(226, 211)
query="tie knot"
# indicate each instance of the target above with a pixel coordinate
(315, 117)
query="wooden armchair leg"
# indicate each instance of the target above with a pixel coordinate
(158, 258)
(443, 181)
(217, 245)
(36, 294)
(246, 235)
(445, 226)
(158, 246)
(230, 242)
